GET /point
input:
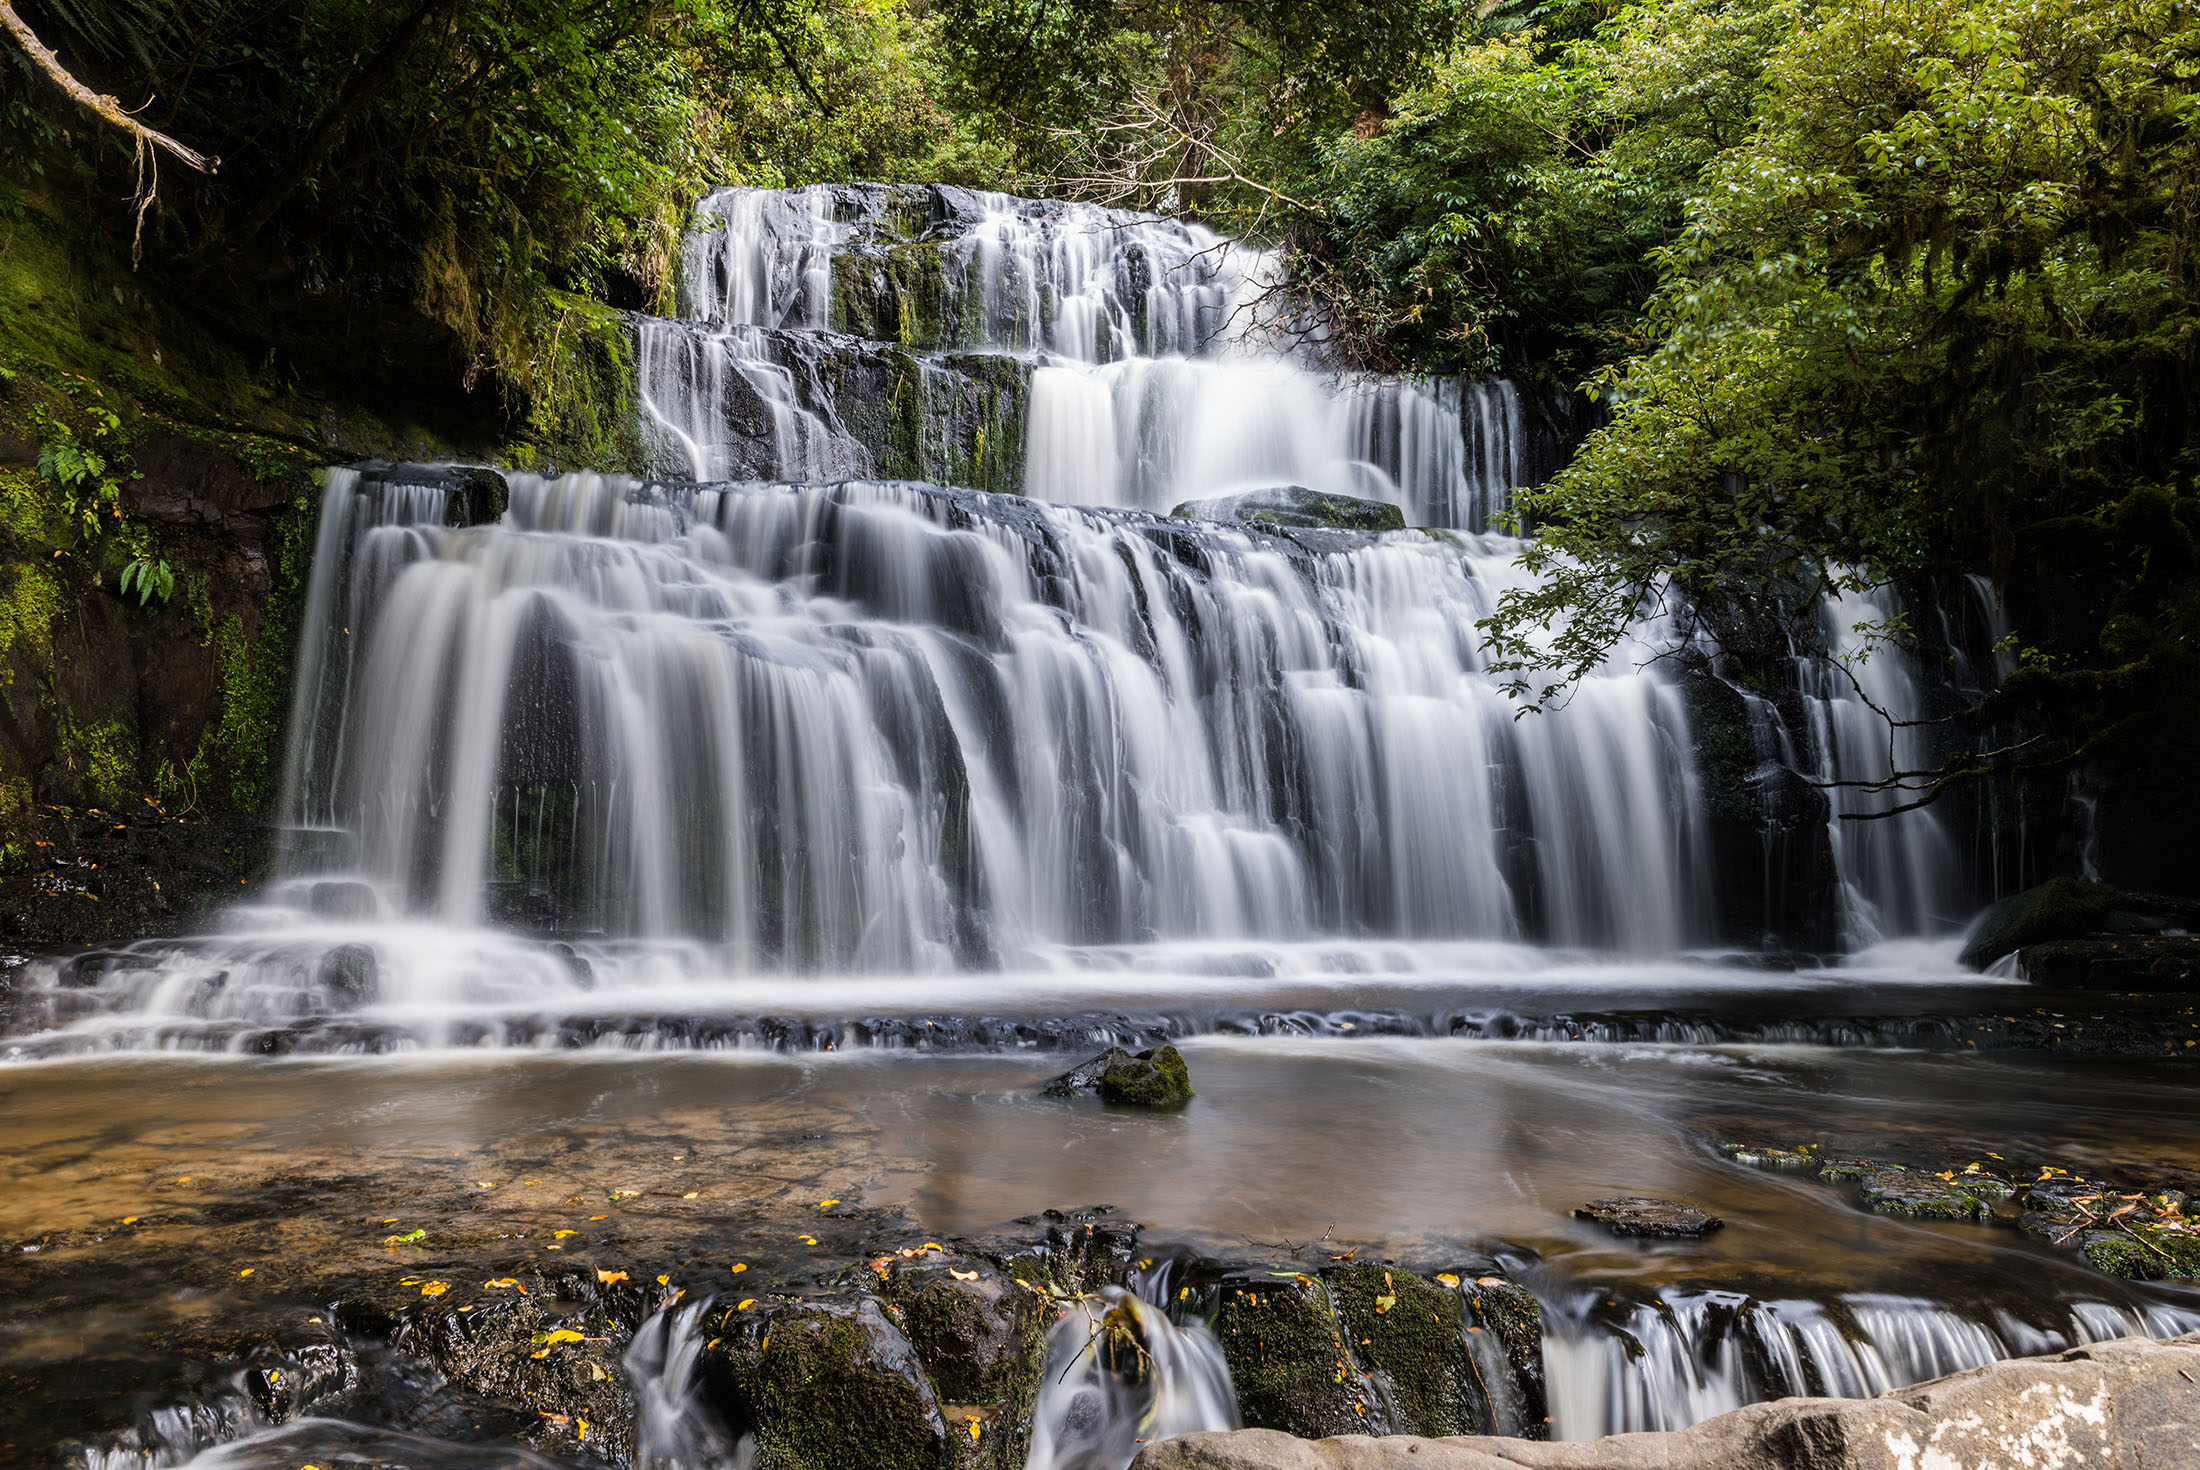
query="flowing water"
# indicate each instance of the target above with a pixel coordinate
(849, 796)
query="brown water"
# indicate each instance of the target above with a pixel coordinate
(1426, 1144)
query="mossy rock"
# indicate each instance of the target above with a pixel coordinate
(1291, 1363)
(1294, 507)
(1509, 1311)
(1414, 1332)
(830, 1387)
(978, 1332)
(2060, 908)
(2144, 1252)
(1920, 1196)
(1152, 1079)
(1767, 1156)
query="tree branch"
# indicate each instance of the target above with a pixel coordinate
(107, 108)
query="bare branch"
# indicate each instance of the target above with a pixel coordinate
(108, 108)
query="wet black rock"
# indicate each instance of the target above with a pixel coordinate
(979, 1331)
(1664, 1218)
(2060, 908)
(1151, 1079)
(1294, 507)
(2153, 964)
(349, 974)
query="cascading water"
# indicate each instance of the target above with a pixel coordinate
(1617, 1367)
(1898, 868)
(1136, 346)
(1119, 1373)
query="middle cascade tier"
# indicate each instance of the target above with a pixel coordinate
(1074, 354)
(891, 727)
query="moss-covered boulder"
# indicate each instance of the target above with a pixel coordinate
(1292, 1361)
(828, 1386)
(980, 1335)
(1152, 1079)
(2060, 908)
(1501, 1309)
(1413, 1331)
(1295, 507)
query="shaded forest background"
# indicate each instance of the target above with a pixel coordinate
(1882, 291)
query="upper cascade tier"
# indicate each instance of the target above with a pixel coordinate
(1078, 355)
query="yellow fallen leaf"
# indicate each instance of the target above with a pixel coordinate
(599, 1217)
(561, 1234)
(609, 1277)
(691, 1194)
(562, 1334)
(826, 1204)
(1448, 1279)
(976, 1428)
(247, 1271)
(962, 1275)
(882, 1265)
(434, 1288)
(744, 1304)
(129, 1219)
(580, 1429)
(508, 1283)
(186, 1179)
(483, 1184)
(809, 1240)
(392, 1220)
(664, 1281)
(739, 1266)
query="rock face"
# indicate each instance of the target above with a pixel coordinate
(2060, 908)
(1668, 1218)
(2124, 1405)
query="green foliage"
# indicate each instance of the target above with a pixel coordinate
(1933, 310)
(75, 464)
(152, 577)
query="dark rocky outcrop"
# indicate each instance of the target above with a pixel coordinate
(2124, 1405)
(2060, 908)
(2152, 964)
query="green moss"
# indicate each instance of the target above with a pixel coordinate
(1289, 1359)
(101, 758)
(2150, 1252)
(1152, 1079)
(821, 1400)
(240, 753)
(28, 607)
(1414, 1333)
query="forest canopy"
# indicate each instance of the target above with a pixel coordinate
(1883, 291)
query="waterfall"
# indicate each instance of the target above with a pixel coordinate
(1118, 1373)
(675, 1429)
(1152, 363)
(1614, 1366)
(891, 728)
(1898, 869)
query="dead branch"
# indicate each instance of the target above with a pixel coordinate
(108, 108)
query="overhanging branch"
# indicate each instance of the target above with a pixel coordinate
(109, 109)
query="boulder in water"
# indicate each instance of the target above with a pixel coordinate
(349, 974)
(1636, 1215)
(1151, 1079)
(1894, 1190)
(2148, 964)
(2060, 908)
(1297, 508)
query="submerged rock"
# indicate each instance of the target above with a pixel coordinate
(1152, 1079)
(2060, 908)
(1297, 508)
(1634, 1215)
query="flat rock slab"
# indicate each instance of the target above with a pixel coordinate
(1664, 1218)
(2131, 1404)
(1921, 1196)
(2160, 965)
